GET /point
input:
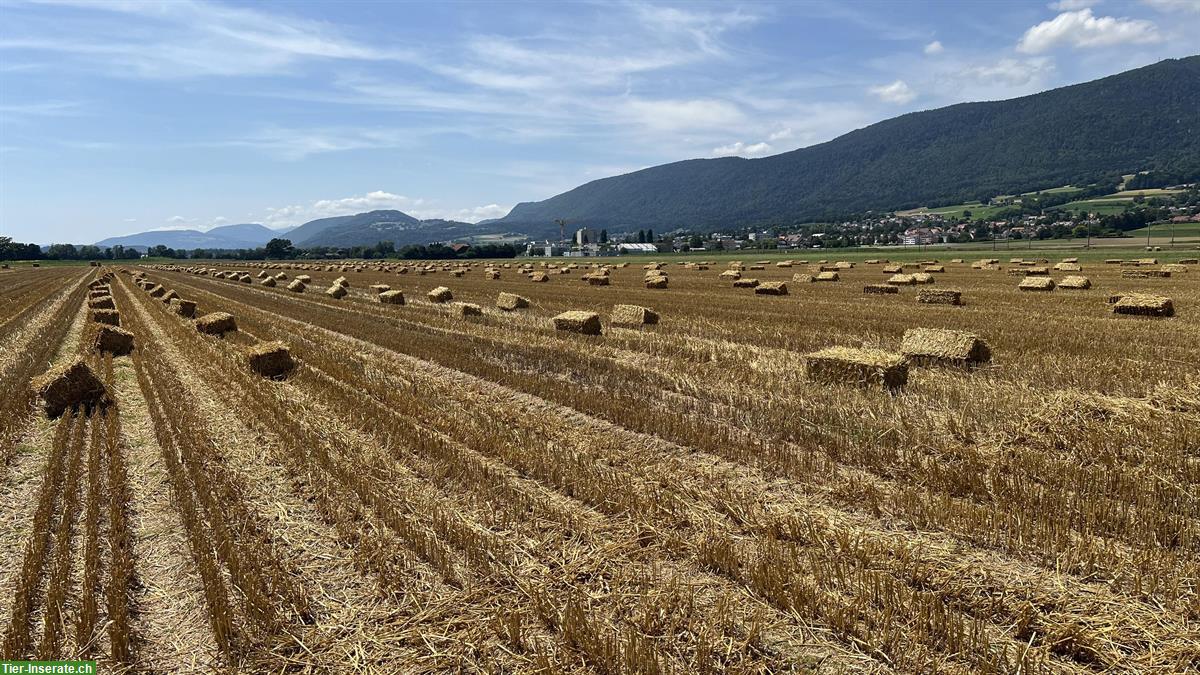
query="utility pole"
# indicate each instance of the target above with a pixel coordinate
(1148, 228)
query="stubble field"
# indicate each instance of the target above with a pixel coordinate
(428, 491)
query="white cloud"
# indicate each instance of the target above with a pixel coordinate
(896, 92)
(376, 200)
(934, 48)
(1082, 29)
(1008, 72)
(781, 135)
(1068, 5)
(1174, 5)
(740, 149)
(681, 115)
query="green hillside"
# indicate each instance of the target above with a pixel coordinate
(1144, 119)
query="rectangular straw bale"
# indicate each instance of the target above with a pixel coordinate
(67, 384)
(169, 296)
(216, 323)
(1174, 268)
(114, 340)
(297, 286)
(939, 296)
(539, 277)
(1068, 267)
(827, 276)
(511, 301)
(901, 280)
(656, 282)
(1036, 284)
(922, 278)
(106, 316)
(336, 291)
(855, 366)
(935, 346)
(633, 316)
(745, 283)
(596, 279)
(934, 269)
(380, 288)
(268, 282)
(465, 309)
(184, 308)
(105, 302)
(440, 294)
(392, 297)
(1076, 282)
(802, 278)
(893, 269)
(575, 321)
(880, 289)
(1141, 304)
(771, 288)
(1037, 271)
(730, 274)
(157, 291)
(270, 359)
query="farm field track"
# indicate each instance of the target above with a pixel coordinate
(428, 491)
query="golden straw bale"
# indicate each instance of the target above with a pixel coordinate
(934, 269)
(802, 278)
(440, 294)
(596, 279)
(827, 276)
(268, 281)
(1141, 304)
(216, 323)
(105, 302)
(1068, 267)
(901, 280)
(893, 269)
(575, 321)
(380, 288)
(110, 317)
(511, 301)
(270, 359)
(297, 286)
(465, 309)
(392, 297)
(939, 296)
(771, 288)
(341, 281)
(117, 341)
(633, 316)
(67, 384)
(1075, 281)
(1036, 284)
(539, 277)
(656, 282)
(733, 275)
(929, 346)
(184, 308)
(745, 283)
(336, 291)
(880, 289)
(157, 291)
(862, 367)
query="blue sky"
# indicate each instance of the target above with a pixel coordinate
(118, 117)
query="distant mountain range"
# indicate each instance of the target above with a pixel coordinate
(362, 229)
(244, 235)
(1143, 119)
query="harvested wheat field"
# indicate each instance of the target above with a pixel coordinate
(745, 484)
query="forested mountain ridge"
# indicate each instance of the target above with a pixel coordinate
(1143, 119)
